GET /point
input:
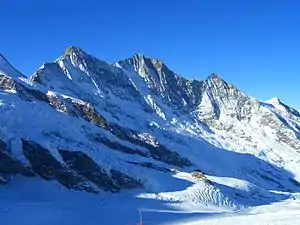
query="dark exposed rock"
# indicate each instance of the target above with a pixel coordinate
(90, 114)
(24, 92)
(175, 90)
(162, 154)
(88, 168)
(61, 105)
(283, 134)
(157, 152)
(33, 94)
(3, 146)
(7, 83)
(117, 146)
(228, 97)
(41, 160)
(151, 166)
(47, 167)
(10, 166)
(123, 181)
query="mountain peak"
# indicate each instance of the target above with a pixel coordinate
(214, 76)
(140, 56)
(74, 50)
(75, 53)
(142, 63)
(274, 100)
(216, 79)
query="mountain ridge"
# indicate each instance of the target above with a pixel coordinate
(85, 125)
(73, 48)
(6, 68)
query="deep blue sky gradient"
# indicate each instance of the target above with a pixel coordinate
(252, 44)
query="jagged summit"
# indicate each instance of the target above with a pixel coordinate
(142, 64)
(138, 56)
(141, 56)
(213, 76)
(75, 52)
(214, 96)
(141, 59)
(74, 49)
(283, 108)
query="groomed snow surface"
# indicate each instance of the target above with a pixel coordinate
(37, 202)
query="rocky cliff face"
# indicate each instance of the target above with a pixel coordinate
(178, 92)
(92, 126)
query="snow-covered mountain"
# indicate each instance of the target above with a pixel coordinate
(7, 69)
(137, 128)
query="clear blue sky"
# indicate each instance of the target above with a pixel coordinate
(252, 44)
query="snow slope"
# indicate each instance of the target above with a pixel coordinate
(7, 69)
(39, 202)
(282, 213)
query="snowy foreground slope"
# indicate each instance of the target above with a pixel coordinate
(86, 142)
